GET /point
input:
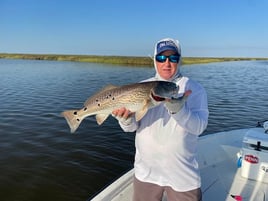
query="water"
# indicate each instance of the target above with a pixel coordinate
(41, 160)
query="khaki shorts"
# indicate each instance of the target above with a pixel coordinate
(144, 191)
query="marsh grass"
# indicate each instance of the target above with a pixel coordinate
(119, 60)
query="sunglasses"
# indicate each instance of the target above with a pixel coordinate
(172, 58)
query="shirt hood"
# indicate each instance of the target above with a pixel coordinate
(177, 45)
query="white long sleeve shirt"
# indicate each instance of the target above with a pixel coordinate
(166, 144)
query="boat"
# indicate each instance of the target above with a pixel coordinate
(233, 167)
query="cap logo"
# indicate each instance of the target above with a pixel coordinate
(166, 45)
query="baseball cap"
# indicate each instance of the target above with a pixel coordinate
(166, 45)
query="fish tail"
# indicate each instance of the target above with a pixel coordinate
(73, 119)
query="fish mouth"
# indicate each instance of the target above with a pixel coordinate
(157, 98)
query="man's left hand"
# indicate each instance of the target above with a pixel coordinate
(174, 105)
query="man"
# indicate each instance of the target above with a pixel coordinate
(166, 137)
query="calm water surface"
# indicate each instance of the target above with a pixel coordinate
(41, 160)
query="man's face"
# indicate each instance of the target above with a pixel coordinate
(167, 69)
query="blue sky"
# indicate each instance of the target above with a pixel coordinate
(205, 28)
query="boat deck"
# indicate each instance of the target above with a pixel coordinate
(221, 177)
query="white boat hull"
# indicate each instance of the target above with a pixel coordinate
(221, 177)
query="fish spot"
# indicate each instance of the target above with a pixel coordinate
(85, 109)
(77, 119)
(97, 100)
(75, 113)
(99, 105)
(113, 98)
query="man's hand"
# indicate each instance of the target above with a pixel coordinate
(175, 105)
(123, 115)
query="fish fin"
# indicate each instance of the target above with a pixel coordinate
(101, 118)
(73, 119)
(140, 114)
(108, 87)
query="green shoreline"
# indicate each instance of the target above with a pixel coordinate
(119, 60)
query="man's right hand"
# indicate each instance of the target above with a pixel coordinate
(123, 115)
